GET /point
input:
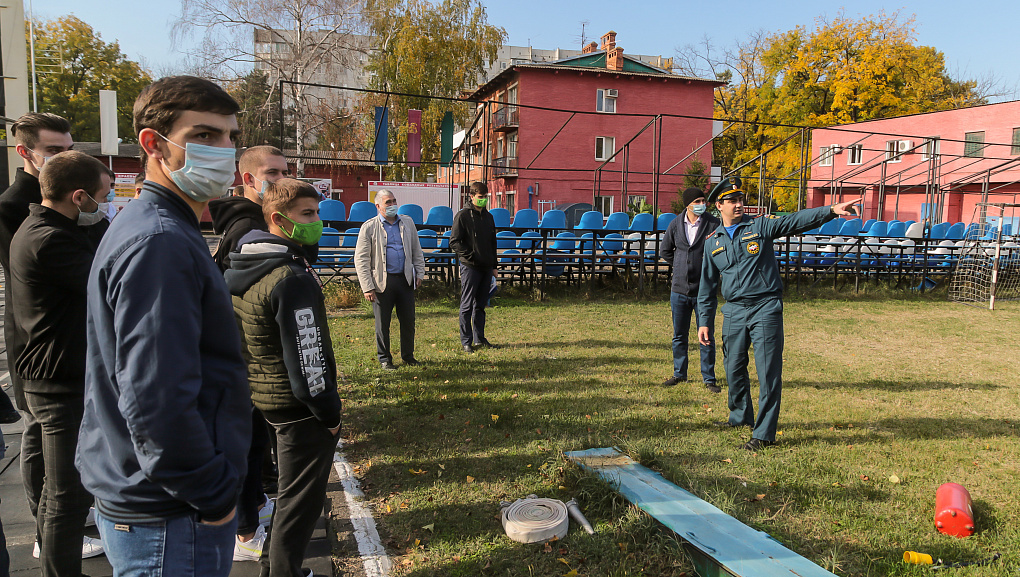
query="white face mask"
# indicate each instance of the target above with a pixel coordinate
(90, 218)
(265, 185)
(207, 173)
(44, 160)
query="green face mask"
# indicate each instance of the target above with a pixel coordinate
(481, 202)
(304, 232)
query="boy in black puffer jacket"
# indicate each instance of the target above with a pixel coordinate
(291, 369)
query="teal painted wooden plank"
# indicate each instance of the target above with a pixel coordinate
(738, 548)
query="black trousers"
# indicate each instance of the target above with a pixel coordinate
(252, 496)
(474, 294)
(305, 452)
(32, 467)
(398, 294)
(65, 502)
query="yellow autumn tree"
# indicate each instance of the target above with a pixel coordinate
(840, 72)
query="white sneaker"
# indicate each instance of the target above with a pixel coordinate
(266, 512)
(250, 550)
(89, 548)
(90, 521)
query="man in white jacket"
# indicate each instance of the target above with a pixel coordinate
(390, 267)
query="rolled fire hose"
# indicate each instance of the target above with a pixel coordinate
(534, 520)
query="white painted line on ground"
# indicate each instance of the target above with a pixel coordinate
(373, 554)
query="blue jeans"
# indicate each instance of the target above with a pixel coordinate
(179, 547)
(683, 306)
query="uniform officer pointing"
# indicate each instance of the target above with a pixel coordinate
(740, 262)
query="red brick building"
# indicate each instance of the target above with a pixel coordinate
(546, 128)
(936, 165)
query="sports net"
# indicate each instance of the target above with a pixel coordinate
(988, 266)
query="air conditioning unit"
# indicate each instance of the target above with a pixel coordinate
(612, 93)
(906, 145)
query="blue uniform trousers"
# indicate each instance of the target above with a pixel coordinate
(759, 323)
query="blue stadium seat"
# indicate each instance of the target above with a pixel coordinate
(850, 227)
(868, 224)
(831, 228)
(526, 218)
(642, 222)
(896, 229)
(591, 220)
(427, 239)
(879, 228)
(500, 216)
(618, 221)
(939, 231)
(956, 231)
(330, 237)
(505, 239)
(664, 220)
(362, 211)
(554, 219)
(414, 211)
(440, 216)
(530, 240)
(332, 210)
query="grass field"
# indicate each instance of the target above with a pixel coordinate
(884, 399)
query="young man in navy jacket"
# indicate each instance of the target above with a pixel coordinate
(167, 421)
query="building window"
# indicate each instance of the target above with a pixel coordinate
(605, 146)
(932, 146)
(974, 144)
(825, 156)
(855, 154)
(511, 205)
(604, 204)
(1015, 149)
(605, 100)
(892, 149)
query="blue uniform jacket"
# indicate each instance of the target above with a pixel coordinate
(744, 267)
(167, 420)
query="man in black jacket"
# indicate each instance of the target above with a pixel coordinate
(39, 135)
(235, 216)
(683, 246)
(51, 255)
(473, 238)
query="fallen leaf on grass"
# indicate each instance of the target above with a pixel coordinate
(495, 418)
(470, 479)
(727, 460)
(894, 479)
(562, 560)
(418, 472)
(571, 573)
(547, 548)
(430, 527)
(864, 477)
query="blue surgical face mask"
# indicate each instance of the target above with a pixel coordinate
(207, 173)
(699, 209)
(265, 186)
(110, 196)
(391, 210)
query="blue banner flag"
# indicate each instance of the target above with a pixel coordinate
(382, 136)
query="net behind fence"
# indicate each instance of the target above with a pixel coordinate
(988, 268)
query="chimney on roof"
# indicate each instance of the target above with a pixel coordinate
(614, 59)
(608, 41)
(589, 48)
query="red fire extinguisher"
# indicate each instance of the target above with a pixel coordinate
(954, 514)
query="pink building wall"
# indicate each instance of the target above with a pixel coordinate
(959, 176)
(556, 157)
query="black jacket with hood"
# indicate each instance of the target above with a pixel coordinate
(473, 238)
(284, 335)
(233, 217)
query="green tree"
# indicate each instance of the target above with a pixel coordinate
(73, 64)
(259, 119)
(429, 49)
(840, 72)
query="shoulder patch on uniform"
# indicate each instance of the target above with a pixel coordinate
(720, 249)
(753, 247)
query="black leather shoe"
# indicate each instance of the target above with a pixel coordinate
(713, 388)
(485, 344)
(412, 362)
(387, 365)
(9, 416)
(673, 381)
(468, 349)
(756, 444)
